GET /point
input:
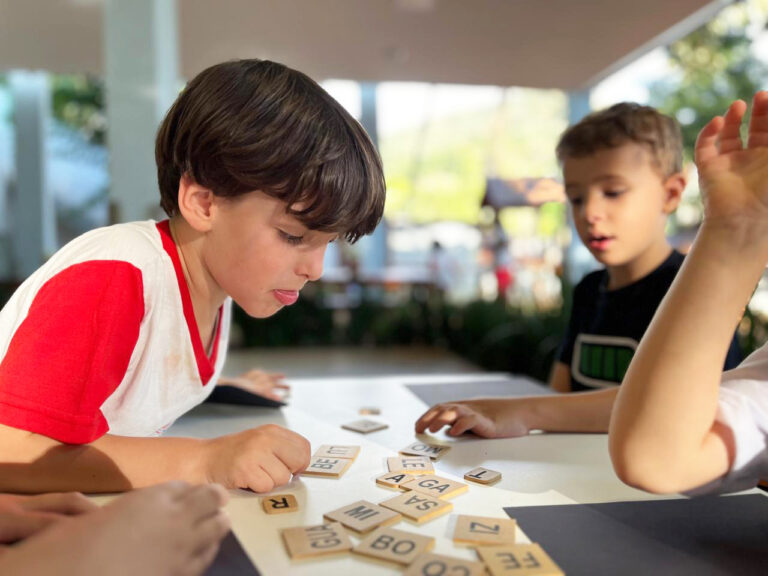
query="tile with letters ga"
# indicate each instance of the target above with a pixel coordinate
(436, 486)
(394, 545)
(484, 531)
(328, 467)
(321, 540)
(279, 504)
(431, 451)
(518, 560)
(483, 475)
(410, 464)
(333, 451)
(417, 506)
(428, 564)
(363, 516)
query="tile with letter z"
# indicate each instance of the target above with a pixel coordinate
(484, 531)
(321, 540)
(394, 545)
(519, 560)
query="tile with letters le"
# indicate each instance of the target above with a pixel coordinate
(520, 560)
(436, 486)
(321, 540)
(428, 564)
(484, 531)
(279, 504)
(393, 545)
(327, 467)
(431, 451)
(410, 464)
(417, 506)
(363, 516)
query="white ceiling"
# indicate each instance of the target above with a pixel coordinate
(567, 44)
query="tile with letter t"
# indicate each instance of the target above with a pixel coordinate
(518, 560)
(363, 516)
(321, 540)
(328, 467)
(429, 564)
(436, 486)
(484, 531)
(394, 545)
(431, 451)
(410, 464)
(331, 451)
(279, 504)
(483, 476)
(417, 506)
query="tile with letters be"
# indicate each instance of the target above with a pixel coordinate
(394, 545)
(279, 504)
(417, 506)
(483, 476)
(484, 531)
(363, 516)
(428, 564)
(333, 451)
(328, 467)
(436, 486)
(410, 464)
(321, 540)
(431, 451)
(518, 560)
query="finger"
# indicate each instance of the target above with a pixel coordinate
(68, 503)
(202, 502)
(706, 142)
(15, 527)
(758, 123)
(426, 418)
(463, 424)
(446, 418)
(730, 135)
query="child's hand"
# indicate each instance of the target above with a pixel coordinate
(488, 417)
(734, 179)
(259, 382)
(258, 459)
(22, 516)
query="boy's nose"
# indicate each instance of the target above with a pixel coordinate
(592, 209)
(311, 263)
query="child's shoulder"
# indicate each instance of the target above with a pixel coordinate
(133, 242)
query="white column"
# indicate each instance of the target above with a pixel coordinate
(141, 77)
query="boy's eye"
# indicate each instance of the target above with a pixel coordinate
(293, 240)
(575, 201)
(613, 193)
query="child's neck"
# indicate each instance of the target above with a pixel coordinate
(629, 273)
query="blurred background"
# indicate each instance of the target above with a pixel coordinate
(476, 257)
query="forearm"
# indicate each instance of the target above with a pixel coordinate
(661, 434)
(32, 463)
(574, 412)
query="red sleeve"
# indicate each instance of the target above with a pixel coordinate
(72, 350)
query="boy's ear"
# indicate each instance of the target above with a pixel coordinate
(674, 186)
(195, 203)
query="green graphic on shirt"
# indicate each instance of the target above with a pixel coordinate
(605, 362)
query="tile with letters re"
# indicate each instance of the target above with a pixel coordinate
(327, 467)
(363, 516)
(483, 476)
(394, 545)
(321, 540)
(484, 530)
(364, 426)
(436, 486)
(417, 506)
(279, 504)
(518, 560)
(393, 479)
(432, 451)
(410, 464)
(429, 563)
(333, 451)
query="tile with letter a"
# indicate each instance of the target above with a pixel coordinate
(328, 467)
(519, 560)
(393, 479)
(483, 476)
(279, 504)
(365, 426)
(363, 516)
(484, 531)
(436, 486)
(410, 464)
(431, 451)
(321, 540)
(394, 545)
(417, 506)
(331, 451)
(429, 564)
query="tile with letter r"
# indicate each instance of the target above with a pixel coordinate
(328, 467)
(431, 451)
(332, 451)
(321, 540)
(436, 486)
(483, 476)
(393, 545)
(410, 464)
(518, 560)
(429, 564)
(417, 506)
(279, 504)
(363, 516)
(484, 531)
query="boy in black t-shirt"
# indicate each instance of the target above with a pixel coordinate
(623, 176)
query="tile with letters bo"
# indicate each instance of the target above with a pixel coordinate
(483, 475)
(410, 464)
(428, 564)
(436, 486)
(364, 426)
(394, 545)
(279, 504)
(520, 560)
(363, 516)
(328, 467)
(333, 451)
(432, 451)
(321, 540)
(417, 506)
(484, 531)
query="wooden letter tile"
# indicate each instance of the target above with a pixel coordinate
(432, 451)
(483, 476)
(331, 451)
(484, 531)
(365, 426)
(519, 560)
(393, 479)
(436, 486)
(320, 540)
(329, 467)
(410, 464)
(394, 545)
(417, 506)
(363, 516)
(429, 564)
(279, 504)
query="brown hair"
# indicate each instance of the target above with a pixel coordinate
(622, 123)
(250, 125)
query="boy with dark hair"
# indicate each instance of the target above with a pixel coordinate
(623, 176)
(125, 328)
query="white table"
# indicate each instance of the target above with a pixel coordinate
(540, 469)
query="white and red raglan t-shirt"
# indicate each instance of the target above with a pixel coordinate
(103, 338)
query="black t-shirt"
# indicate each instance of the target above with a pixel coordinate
(606, 325)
